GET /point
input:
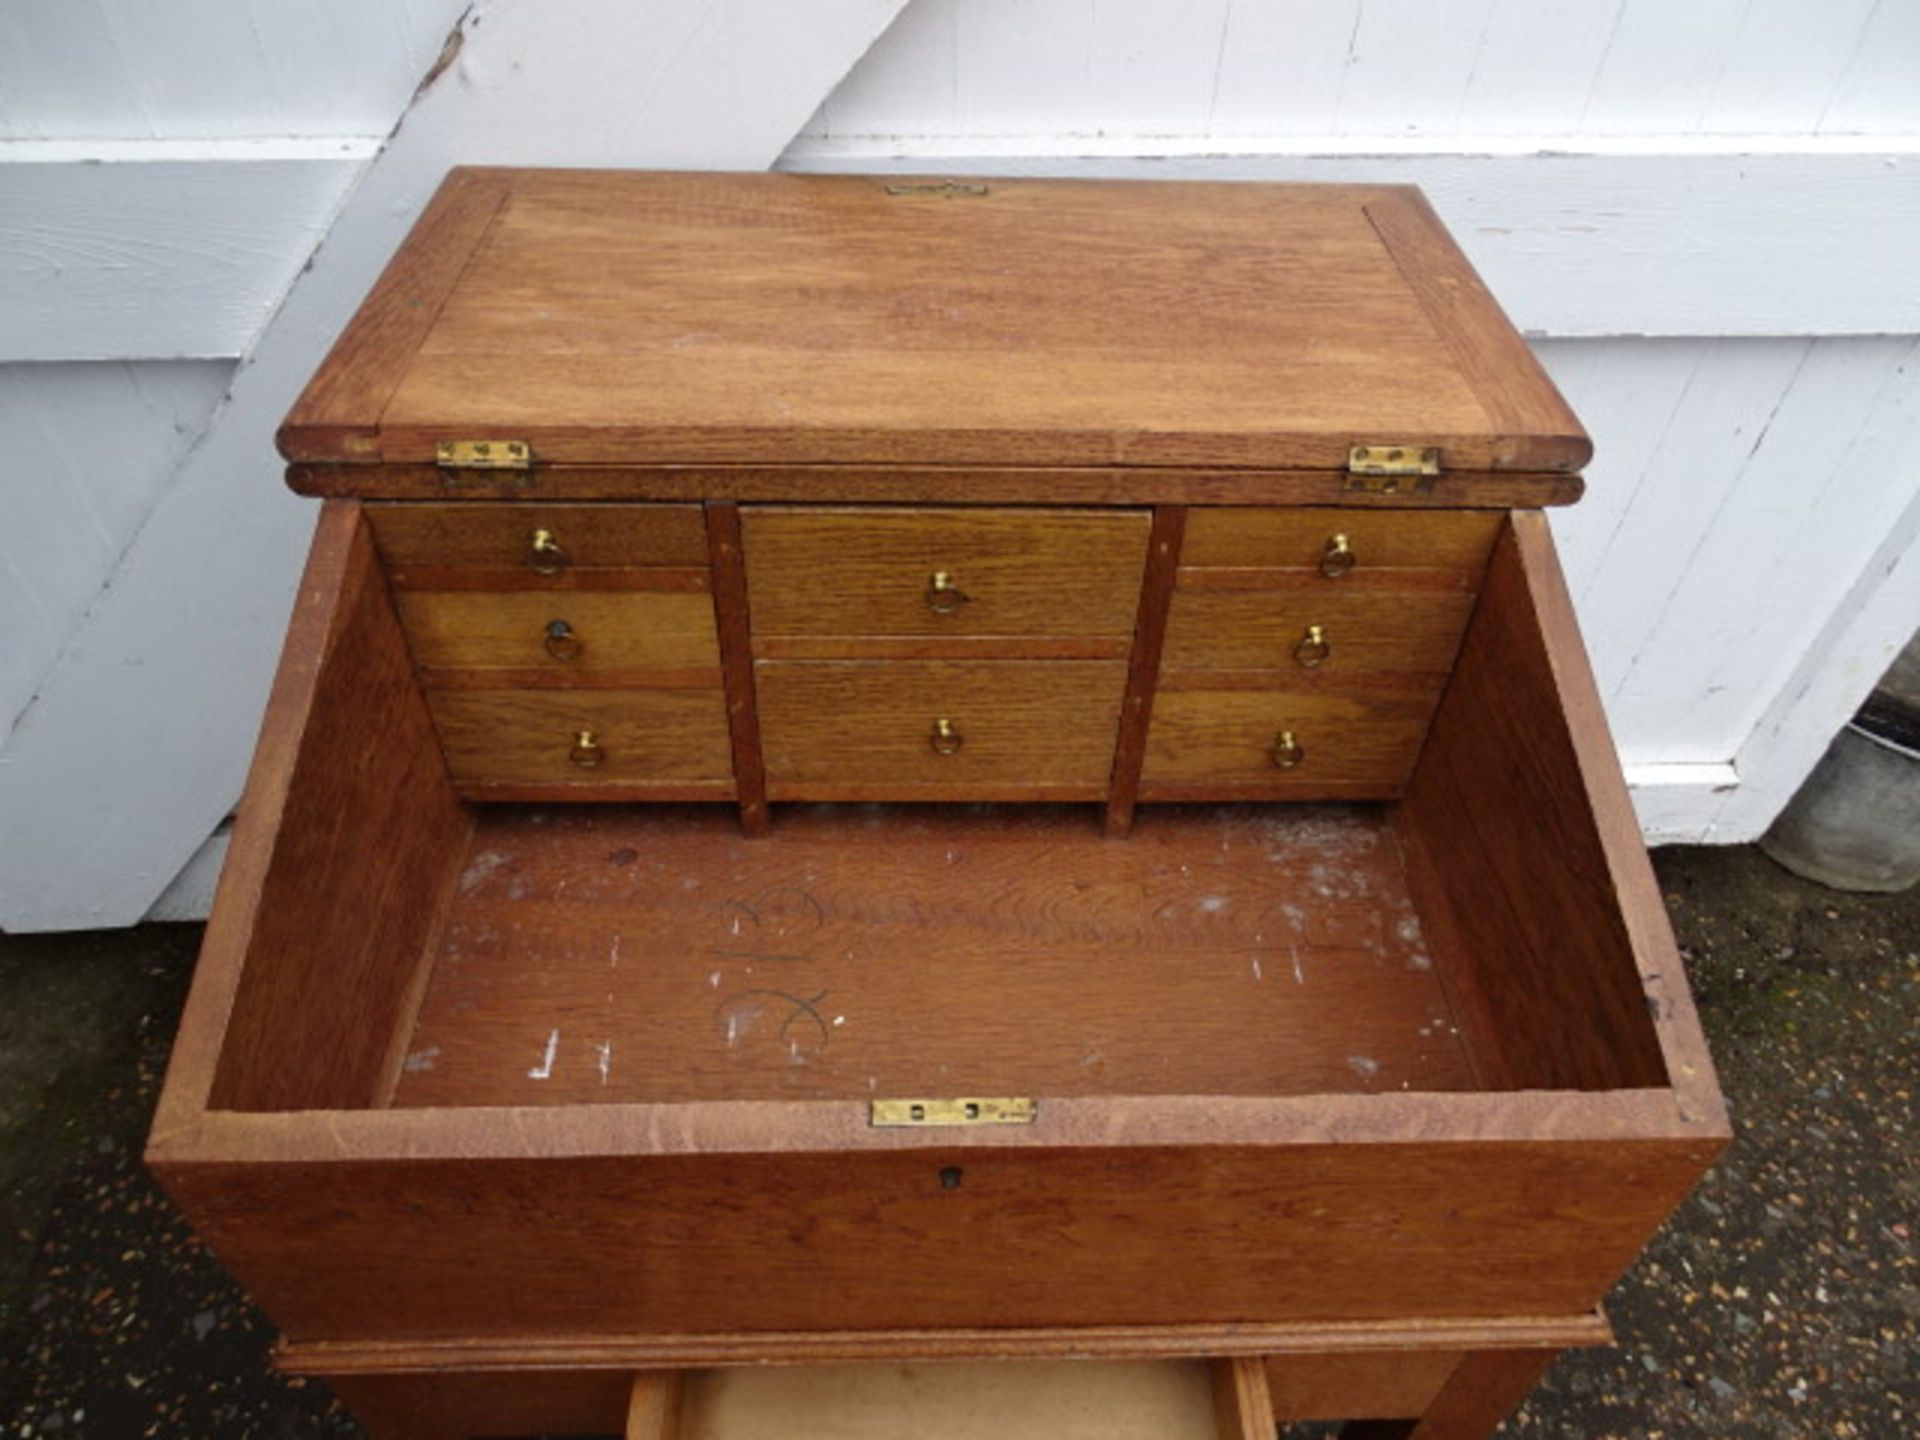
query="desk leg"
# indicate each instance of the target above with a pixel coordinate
(1483, 1390)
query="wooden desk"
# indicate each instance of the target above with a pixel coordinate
(932, 771)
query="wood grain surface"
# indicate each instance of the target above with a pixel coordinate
(1365, 738)
(338, 413)
(607, 630)
(524, 737)
(1296, 538)
(496, 536)
(348, 831)
(1143, 667)
(921, 952)
(826, 571)
(1409, 632)
(1020, 723)
(1518, 765)
(634, 318)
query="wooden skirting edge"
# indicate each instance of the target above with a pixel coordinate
(654, 1352)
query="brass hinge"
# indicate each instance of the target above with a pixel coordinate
(484, 455)
(971, 1111)
(1392, 469)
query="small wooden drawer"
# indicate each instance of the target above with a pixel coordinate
(1305, 628)
(549, 546)
(874, 729)
(674, 740)
(822, 571)
(557, 635)
(1245, 742)
(1340, 543)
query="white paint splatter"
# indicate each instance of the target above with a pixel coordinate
(1364, 1066)
(1212, 904)
(613, 955)
(1293, 954)
(839, 1020)
(422, 1059)
(544, 1070)
(1408, 929)
(713, 980)
(604, 1051)
(478, 869)
(1419, 961)
(1256, 968)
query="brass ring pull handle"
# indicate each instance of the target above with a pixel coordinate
(587, 751)
(545, 553)
(945, 740)
(1287, 751)
(944, 596)
(561, 642)
(1314, 647)
(1338, 558)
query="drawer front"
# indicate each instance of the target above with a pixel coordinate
(575, 632)
(1343, 744)
(535, 737)
(1313, 628)
(535, 545)
(1341, 543)
(958, 573)
(863, 729)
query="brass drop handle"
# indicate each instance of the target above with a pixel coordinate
(545, 553)
(945, 740)
(587, 751)
(1338, 558)
(561, 641)
(1314, 647)
(944, 595)
(1287, 750)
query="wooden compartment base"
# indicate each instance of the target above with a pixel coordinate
(653, 955)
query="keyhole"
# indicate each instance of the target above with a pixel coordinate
(950, 1177)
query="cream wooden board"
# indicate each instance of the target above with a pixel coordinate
(1065, 1400)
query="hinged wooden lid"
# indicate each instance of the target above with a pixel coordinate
(643, 319)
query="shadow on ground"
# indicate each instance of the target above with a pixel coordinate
(1782, 1302)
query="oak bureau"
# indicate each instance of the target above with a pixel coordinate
(891, 768)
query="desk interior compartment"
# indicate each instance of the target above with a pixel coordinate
(453, 1069)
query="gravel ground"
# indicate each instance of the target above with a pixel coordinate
(1781, 1302)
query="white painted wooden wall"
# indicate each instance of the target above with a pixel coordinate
(1705, 211)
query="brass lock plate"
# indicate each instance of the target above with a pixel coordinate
(974, 1110)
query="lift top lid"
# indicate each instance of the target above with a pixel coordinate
(656, 319)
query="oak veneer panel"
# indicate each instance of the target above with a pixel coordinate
(477, 630)
(865, 1235)
(1296, 538)
(1023, 725)
(830, 571)
(1540, 948)
(1413, 633)
(525, 737)
(337, 415)
(1494, 359)
(922, 951)
(355, 803)
(494, 536)
(676, 318)
(1361, 738)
